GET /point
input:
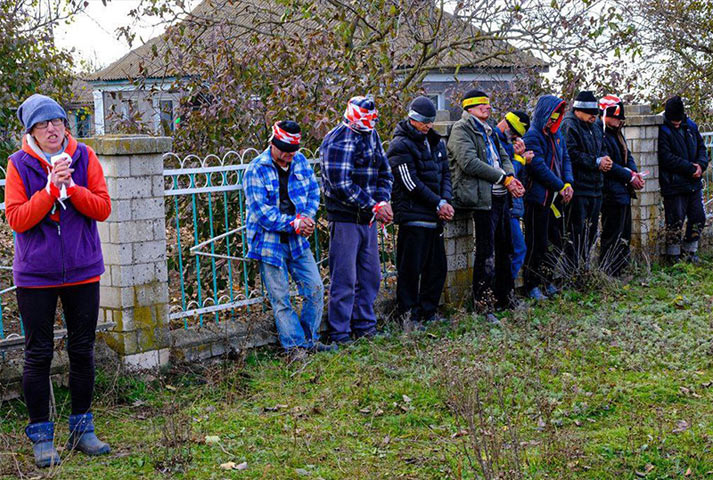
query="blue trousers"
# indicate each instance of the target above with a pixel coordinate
(519, 249)
(295, 331)
(355, 274)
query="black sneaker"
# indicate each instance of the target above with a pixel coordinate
(693, 258)
(325, 347)
(370, 335)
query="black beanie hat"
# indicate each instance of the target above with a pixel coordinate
(586, 102)
(675, 110)
(475, 97)
(422, 110)
(291, 127)
(518, 121)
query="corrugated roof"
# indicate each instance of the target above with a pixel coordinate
(154, 59)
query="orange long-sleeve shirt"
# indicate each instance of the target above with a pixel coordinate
(23, 213)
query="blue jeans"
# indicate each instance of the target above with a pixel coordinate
(519, 249)
(294, 331)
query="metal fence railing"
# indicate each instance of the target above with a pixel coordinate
(209, 274)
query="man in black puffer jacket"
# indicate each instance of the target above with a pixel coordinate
(585, 147)
(421, 199)
(682, 161)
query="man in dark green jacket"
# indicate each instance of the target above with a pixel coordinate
(483, 178)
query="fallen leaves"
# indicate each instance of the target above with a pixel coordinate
(681, 426)
(234, 466)
(646, 471)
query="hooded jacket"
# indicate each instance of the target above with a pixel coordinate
(679, 150)
(550, 167)
(472, 176)
(584, 145)
(617, 181)
(419, 163)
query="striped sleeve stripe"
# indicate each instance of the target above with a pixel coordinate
(406, 177)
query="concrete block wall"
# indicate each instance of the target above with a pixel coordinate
(134, 288)
(641, 131)
(459, 238)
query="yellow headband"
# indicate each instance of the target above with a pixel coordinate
(515, 123)
(469, 102)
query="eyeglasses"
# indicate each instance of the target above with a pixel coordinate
(55, 121)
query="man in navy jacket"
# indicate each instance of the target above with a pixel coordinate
(682, 161)
(620, 182)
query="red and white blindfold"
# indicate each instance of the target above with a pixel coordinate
(608, 102)
(360, 118)
(286, 137)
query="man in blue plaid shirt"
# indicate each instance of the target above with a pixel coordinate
(357, 187)
(282, 197)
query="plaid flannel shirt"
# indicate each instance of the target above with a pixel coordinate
(262, 198)
(355, 171)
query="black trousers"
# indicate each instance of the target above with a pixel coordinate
(492, 275)
(678, 209)
(616, 237)
(582, 223)
(37, 306)
(421, 266)
(543, 238)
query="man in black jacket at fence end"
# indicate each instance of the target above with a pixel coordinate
(620, 184)
(682, 161)
(585, 145)
(421, 199)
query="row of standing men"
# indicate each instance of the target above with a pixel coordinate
(555, 174)
(55, 193)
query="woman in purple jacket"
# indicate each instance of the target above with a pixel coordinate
(54, 194)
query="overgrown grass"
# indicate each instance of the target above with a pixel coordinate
(607, 384)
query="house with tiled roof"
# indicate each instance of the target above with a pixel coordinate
(144, 85)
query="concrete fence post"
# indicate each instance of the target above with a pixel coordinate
(642, 133)
(134, 288)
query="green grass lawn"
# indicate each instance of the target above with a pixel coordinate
(615, 383)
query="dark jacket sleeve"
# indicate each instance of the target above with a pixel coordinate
(446, 187)
(404, 171)
(701, 151)
(670, 160)
(618, 172)
(567, 166)
(630, 162)
(576, 146)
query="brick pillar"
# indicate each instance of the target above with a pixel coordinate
(134, 288)
(642, 132)
(458, 236)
